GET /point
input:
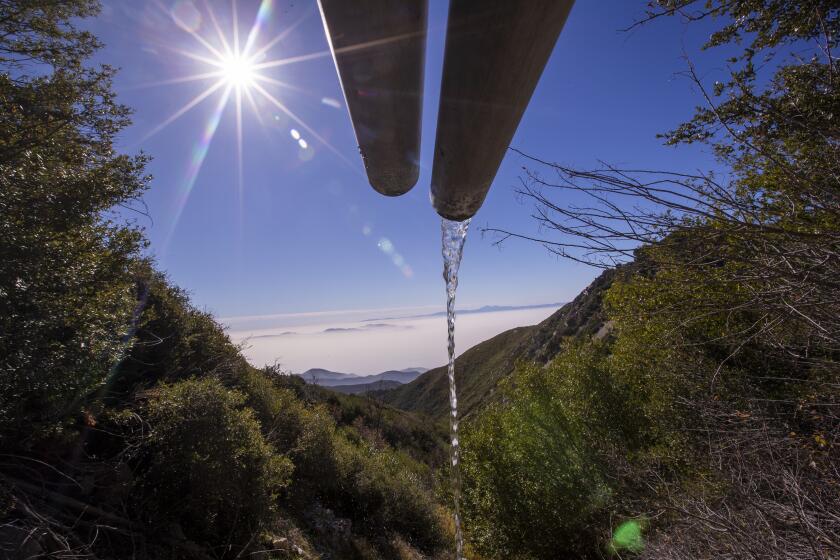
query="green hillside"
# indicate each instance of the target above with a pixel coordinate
(184, 448)
(479, 369)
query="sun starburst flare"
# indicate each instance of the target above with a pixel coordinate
(238, 71)
(235, 70)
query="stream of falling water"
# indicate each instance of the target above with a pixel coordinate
(454, 234)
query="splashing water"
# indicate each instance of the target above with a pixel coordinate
(454, 234)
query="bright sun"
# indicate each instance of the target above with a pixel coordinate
(238, 71)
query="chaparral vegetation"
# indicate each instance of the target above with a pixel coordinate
(685, 406)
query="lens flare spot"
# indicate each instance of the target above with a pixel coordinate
(305, 155)
(330, 102)
(295, 134)
(386, 246)
(302, 143)
(186, 16)
(628, 536)
(367, 230)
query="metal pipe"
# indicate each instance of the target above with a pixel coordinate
(495, 53)
(379, 50)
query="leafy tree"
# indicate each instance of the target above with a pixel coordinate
(66, 287)
(345, 466)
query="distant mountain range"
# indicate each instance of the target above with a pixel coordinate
(395, 379)
(352, 383)
(362, 388)
(484, 309)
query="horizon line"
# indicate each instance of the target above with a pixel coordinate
(338, 312)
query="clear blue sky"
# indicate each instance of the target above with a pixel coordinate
(294, 239)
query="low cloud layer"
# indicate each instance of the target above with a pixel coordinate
(329, 330)
(366, 348)
(368, 327)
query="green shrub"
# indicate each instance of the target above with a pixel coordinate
(609, 430)
(284, 418)
(417, 435)
(534, 476)
(172, 340)
(388, 491)
(210, 469)
(382, 491)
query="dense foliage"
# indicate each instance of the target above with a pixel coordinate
(130, 425)
(649, 426)
(205, 448)
(707, 423)
(187, 450)
(66, 295)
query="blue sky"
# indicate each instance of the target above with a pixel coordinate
(305, 232)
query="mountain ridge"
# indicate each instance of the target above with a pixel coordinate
(480, 368)
(328, 378)
(482, 309)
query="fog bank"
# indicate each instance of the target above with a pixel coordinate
(368, 347)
